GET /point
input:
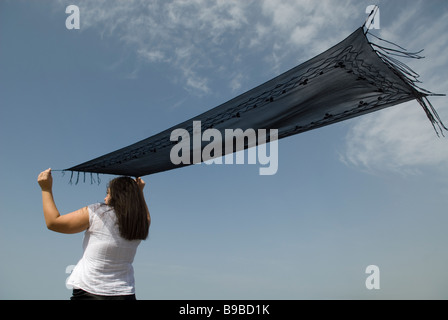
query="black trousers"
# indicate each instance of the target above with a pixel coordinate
(79, 294)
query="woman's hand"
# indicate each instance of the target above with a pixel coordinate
(45, 180)
(141, 184)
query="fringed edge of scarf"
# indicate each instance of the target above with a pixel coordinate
(386, 54)
(76, 176)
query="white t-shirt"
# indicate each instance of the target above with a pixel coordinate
(106, 264)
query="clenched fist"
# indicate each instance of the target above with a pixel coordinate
(45, 180)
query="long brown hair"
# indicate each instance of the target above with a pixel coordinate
(130, 208)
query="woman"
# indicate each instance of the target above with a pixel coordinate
(114, 230)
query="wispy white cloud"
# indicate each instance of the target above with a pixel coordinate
(203, 39)
(152, 55)
(307, 23)
(235, 83)
(303, 28)
(187, 35)
(399, 140)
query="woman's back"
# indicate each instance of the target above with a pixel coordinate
(106, 265)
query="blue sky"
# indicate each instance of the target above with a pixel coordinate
(369, 191)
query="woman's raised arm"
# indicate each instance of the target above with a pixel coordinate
(73, 222)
